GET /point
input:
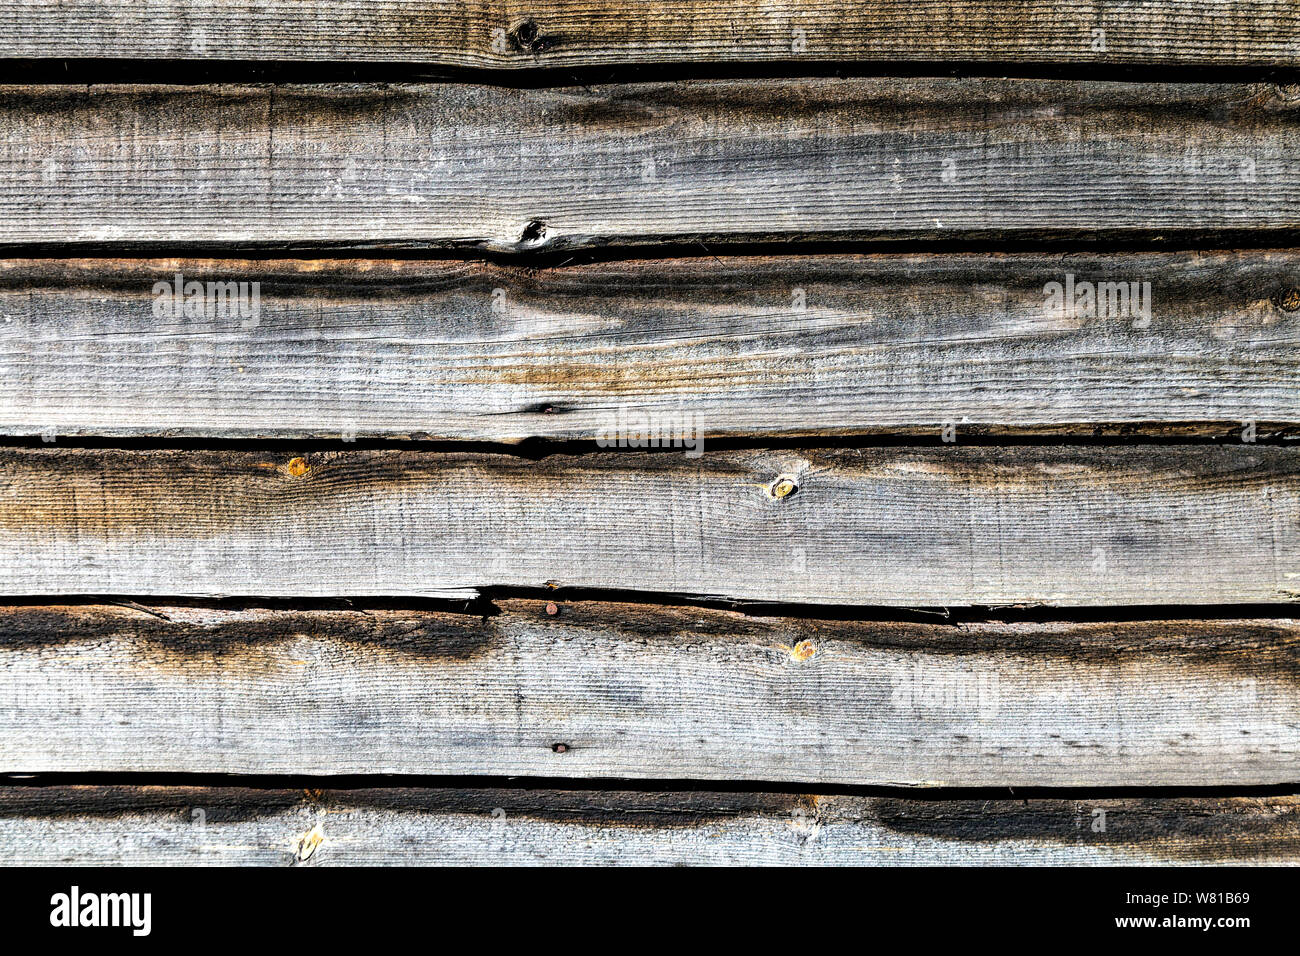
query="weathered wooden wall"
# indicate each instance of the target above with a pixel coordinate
(946, 534)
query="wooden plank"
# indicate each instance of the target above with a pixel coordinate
(549, 169)
(799, 345)
(607, 691)
(233, 826)
(510, 34)
(895, 526)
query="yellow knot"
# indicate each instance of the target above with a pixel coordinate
(298, 467)
(1288, 300)
(783, 487)
(308, 843)
(801, 651)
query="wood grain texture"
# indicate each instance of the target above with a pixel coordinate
(708, 161)
(513, 34)
(616, 690)
(897, 526)
(403, 826)
(739, 346)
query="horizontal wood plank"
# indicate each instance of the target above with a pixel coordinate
(231, 826)
(797, 345)
(708, 161)
(513, 34)
(599, 690)
(931, 526)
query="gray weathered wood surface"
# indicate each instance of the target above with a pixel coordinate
(792, 345)
(128, 677)
(648, 692)
(523, 170)
(405, 826)
(943, 525)
(514, 34)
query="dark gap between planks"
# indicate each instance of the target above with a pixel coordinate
(567, 250)
(485, 606)
(1126, 435)
(93, 70)
(660, 785)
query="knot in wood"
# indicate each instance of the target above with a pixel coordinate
(783, 487)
